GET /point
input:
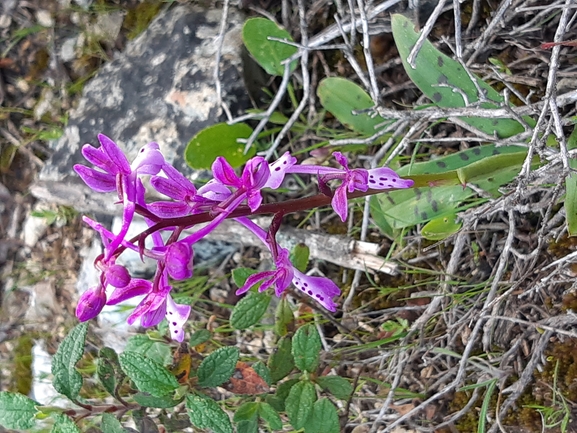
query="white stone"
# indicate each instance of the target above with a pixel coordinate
(44, 18)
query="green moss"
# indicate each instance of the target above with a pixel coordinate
(138, 18)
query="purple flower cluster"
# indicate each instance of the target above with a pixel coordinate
(219, 198)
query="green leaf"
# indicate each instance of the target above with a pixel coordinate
(324, 418)
(299, 403)
(67, 380)
(108, 368)
(246, 411)
(343, 98)
(268, 54)
(147, 400)
(281, 361)
(63, 424)
(199, 337)
(240, 275)
(277, 401)
(250, 426)
(205, 413)
(249, 310)
(17, 411)
(148, 375)
(437, 76)
(271, 416)
(218, 367)
(441, 228)
(336, 385)
(219, 140)
(263, 371)
(283, 317)
(111, 425)
(571, 188)
(299, 256)
(156, 350)
(306, 348)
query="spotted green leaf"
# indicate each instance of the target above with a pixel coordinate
(446, 82)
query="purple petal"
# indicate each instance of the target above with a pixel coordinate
(339, 202)
(115, 154)
(179, 261)
(137, 287)
(384, 178)
(320, 289)
(176, 315)
(168, 187)
(117, 276)
(342, 160)
(90, 303)
(149, 160)
(254, 200)
(169, 209)
(214, 191)
(255, 173)
(255, 279)
(97, 180)
(99, 158)
(224, 173)
(358, 180)
(153, 316)
(278, 170)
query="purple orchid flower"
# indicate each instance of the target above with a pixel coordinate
(322, 290)
(156, 305)
(113, 172)
(358, 179)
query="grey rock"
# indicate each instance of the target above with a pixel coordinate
(161, 88)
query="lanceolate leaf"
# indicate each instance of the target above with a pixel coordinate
(17, 411)
(67, 380)
(571, 188)
(438, 76)
(108, 368)
(147, 375)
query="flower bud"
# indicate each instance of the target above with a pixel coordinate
(117, 276)
(179, 263)
(91, 303)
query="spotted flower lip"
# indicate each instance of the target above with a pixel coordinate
(358, 179)
(321, 289)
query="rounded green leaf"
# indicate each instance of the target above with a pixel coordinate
(17, 411)
(249, 310)
(299, 256)
(199, 337)
(342, 98)
(338, 386)
(218, 367)
(271, 416)
(108, 368)
(246, 412)
(147, 400)
(156, 350)
(306, 348)
(147, 375)
(441, 228)
(219, 140)
(269, 54)
(205, 413)
(324, 418)
(67, 380)
(299, 404)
